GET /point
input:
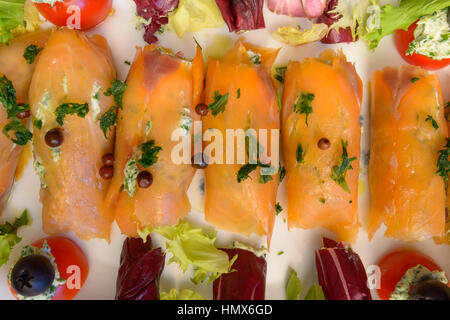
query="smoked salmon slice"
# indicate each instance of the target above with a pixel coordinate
(17, 70)
(321, 143)
(162, 93)
(241, 95)
(408, 130)
(73, 69)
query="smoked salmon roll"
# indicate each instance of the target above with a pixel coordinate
(241, 187)
(15, 72)
(408, 131)
(321, 143)
(67, 102)
(149, 185)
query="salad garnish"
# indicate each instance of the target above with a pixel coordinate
(340, 170)
(80, 109)
(8, 235)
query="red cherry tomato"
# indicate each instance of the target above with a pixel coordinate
(395, 264)
(91, 12)
(403, 39)
(71, 263)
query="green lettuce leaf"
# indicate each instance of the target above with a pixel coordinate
(293, 286)
(192, 246)
(11, 16)
(393, 18)
(315, 293)
(183, 294)
(8, 236)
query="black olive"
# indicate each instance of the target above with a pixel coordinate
(32, 275)
(430, 290)
(144, 179)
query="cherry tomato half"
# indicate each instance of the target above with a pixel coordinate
(79, 14)
(395, 264)
(72, 266)
(403, 39)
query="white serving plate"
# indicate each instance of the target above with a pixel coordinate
(298, 245)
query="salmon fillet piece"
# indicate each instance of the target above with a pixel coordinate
(161, 95)
(313, 147)
(14, 66)
(73, 68)
(246, 207)
(408, 129)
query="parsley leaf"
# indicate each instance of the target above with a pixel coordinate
(31, 53)
(344, 164)
(219, 104)
(23, 135)
(278, 208)
(64, 109)
(8, 98)
(8, 236)
(443, 164)
(263, 178)
(238, 93)
(303, 104)
(248, 168)
(108, 120)
(414, 80)
(117, 90)
(149, 154)
(37, 123)
(282, 173)
(433, 122)
(280, 105)
(245, 171)
(300, 153)
(280, 73)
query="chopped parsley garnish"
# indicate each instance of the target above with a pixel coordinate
(282, 173)
(23, 135)
(149, 154)
(238, 93)
(322, 200)
(263, 178)
(300, 153)
(64, 109)
(280, 106)
(280, 73)
(443, 164)
(8, 98)
(414, 80)
(303, 104)
(255, 58)
(447, 105)
(31, 53)
(344, 164)
(219, 103)
(278, 208)
(433, 122)
(127, 62)
(116, 90)
(37, 123)
(248, 168)
(280, 252)
(108, 120)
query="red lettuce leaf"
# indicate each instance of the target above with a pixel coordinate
(157, 11)
(140, 270)
(334, 36)
(248, 282)
(242, 15)
(341, 272)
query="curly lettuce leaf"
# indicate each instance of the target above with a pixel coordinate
(8, 236)
(195, 15)
(294, 36)
(183, 294)
(394, 18)
(11, 16)
(192, 246)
